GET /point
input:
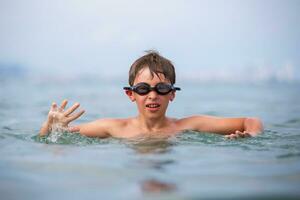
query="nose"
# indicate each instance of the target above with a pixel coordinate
(152, 95)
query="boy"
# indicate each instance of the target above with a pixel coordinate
(151, 80)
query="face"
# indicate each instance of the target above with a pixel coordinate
(151, 105)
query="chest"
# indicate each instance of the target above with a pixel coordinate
(133, 131)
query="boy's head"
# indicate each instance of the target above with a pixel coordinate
(156, 64)
(152, 70)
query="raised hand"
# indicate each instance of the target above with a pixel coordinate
(58, 117)
(61, 116)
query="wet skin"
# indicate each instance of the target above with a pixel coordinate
(151, 120)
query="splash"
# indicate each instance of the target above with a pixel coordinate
(61, 135)
(57, 130)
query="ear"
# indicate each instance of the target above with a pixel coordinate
(172, 97)
(129, 93)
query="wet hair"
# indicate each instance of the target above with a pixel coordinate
(156, 64)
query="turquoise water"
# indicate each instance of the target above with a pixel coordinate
(189, 166)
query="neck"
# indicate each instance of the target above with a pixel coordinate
(152, 124)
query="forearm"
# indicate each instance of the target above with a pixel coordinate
(253, 126)
(100, 128)
(45, 129)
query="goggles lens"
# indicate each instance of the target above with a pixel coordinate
(145, 88)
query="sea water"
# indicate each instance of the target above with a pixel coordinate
(188, 166)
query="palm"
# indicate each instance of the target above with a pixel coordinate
(57, 115)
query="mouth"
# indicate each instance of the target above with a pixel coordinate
(152, 106)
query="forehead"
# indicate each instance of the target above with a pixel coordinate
(144, 75)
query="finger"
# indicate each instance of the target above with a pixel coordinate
(233, 136)
(75, 116)
(241, 134)
(230, 136)
(71, 109)
(63, 104)
(53, 106)
(247, 134)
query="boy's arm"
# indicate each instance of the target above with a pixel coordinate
(231, 127)
(58, 117)
(99, 128)
(251, 126)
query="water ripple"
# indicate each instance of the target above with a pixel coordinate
(289, 155)
(66, 138)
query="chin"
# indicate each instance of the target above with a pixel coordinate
(153, 115)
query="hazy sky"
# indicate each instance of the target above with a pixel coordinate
(205, 39)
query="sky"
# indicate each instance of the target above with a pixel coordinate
(206, 40)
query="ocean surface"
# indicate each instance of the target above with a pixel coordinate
(189, 166)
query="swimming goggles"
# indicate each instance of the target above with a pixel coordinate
(145, 88)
